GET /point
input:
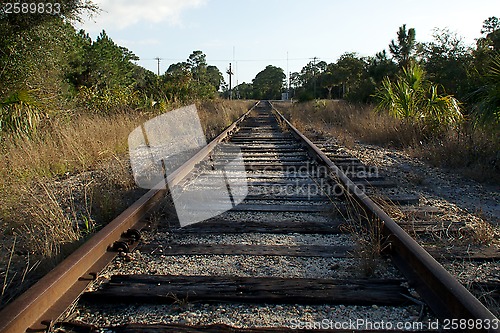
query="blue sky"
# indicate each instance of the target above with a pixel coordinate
(255, 33)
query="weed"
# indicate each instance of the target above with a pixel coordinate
(181, 302)
(19, 114)
(48, 227)
(482, 232)
(367, 232)
(5, 280)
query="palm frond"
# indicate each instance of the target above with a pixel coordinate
(19, 114)
(411, 96)
(487, 110)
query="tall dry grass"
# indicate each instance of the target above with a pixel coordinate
(350, 122)
(68, 147)
(473, 152)
(56, 187)
(62, 147)
(216, 115)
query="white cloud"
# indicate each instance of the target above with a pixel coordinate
(120, 14)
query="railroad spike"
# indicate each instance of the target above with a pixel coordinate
(134, 234)
(120, 246)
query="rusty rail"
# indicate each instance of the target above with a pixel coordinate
(40, 306)
(447, 297)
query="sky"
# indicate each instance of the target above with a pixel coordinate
(252, 34)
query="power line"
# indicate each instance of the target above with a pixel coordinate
(235, 60)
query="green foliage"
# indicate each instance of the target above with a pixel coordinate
(491, 32)
(305, 96)
(35, 59)
(380, 67)
(352, 70)
(107, 100)
(404, 48)
(447, 61)
(19, 114)
(421, 82)
(244, 91)
(411, 96)
(269, 83)
(214, 77)
(352, 78)
(484, 77)
(487, 109)
(34, 56)
(441, 110)
(191, 80)
(197, 65)
(103, 75)
(102, 63)
(490, 25)
(62, 68)
(310, 78)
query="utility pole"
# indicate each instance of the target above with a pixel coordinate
(314, 75)
(289, 85)
(287, 81)
(230, 73)
(158, 59)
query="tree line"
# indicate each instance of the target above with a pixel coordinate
(443, 71)
(49, 69)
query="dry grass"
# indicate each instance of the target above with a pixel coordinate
(67, 146)
(84, 142)
(470, 151)
(73, 177)
(481, 232)
(32, 203)
(348, 122)
(367, 233)
(217, 115)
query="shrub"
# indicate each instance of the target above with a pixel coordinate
(414, 98)
(109, 100)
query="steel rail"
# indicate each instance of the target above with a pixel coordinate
(41, 305)
(447, 297)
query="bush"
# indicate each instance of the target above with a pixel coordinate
(106, 101)
(413, 97)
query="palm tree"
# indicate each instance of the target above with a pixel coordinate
(414, 98)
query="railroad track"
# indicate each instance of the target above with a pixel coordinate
(290, 242)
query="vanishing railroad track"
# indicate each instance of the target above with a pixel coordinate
(301, 248)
